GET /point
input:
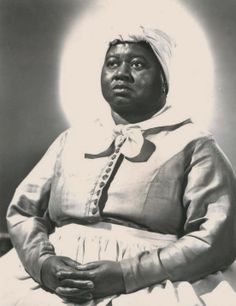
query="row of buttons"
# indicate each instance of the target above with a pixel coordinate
(105, 175)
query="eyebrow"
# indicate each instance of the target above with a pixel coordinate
(130, 55)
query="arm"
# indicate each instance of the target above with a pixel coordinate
(208, 243)
(28, 221)
(30, 225)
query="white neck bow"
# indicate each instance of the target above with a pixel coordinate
(130, 138)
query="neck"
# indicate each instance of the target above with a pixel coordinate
(131, 118)
(127, 118)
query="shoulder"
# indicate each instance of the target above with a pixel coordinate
(180, 139)
(191, 133)
(204, 153)
(60, 139)
(69, 137)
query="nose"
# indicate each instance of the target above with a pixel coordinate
(123, 72)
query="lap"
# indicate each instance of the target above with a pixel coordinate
(18, 288)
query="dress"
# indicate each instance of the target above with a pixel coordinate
(167, 214)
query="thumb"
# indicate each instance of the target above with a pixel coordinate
(88, 266)
(70, 262)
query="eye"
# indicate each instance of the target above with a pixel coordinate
(138, 64)
(112, 63)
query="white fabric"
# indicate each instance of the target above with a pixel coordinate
(133, 139)
(132, 135)
(106, 133)
(161, 44)
(104, 241)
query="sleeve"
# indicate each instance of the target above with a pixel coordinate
(209, 240)
(28, 221)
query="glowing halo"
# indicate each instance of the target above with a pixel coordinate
(191, 88)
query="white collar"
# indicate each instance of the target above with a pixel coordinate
(99, 136)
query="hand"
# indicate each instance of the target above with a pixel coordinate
(79, 292)
(106, 276)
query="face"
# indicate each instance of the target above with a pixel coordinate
(131, 79)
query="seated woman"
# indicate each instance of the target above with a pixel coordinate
(139, 214)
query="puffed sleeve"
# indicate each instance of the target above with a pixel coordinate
(209, 240)
(28, 222)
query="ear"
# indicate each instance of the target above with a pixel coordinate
(164, 86)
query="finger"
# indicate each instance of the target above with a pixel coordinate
(71, 292)
(76, 283)
(80, 275)
(79, 300)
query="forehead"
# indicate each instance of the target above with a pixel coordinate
(130, 49)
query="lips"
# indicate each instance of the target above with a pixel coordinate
(121, 88)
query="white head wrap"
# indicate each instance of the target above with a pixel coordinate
(161, 44)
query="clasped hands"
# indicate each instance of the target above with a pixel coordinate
(76, 283)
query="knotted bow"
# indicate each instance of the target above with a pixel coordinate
(131, 139)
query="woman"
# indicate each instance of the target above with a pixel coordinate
(143, 214)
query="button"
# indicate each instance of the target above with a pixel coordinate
(98, 192)
(113, 156)
(110, 164)
(117, 150)
(120, 144)
(94, 210)
(104, 177)
(101, 184)
(108, 170)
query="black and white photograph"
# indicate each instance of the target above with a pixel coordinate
(117, 153)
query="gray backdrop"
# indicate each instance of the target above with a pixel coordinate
(31, 34)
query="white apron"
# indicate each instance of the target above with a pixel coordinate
(104, 241)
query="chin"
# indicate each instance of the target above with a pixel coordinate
(122, 107)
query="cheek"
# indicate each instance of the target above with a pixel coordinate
(151, 81)
(105, 78)
(144, 83)
(105, 84)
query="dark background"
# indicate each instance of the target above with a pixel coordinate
(31, 35)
